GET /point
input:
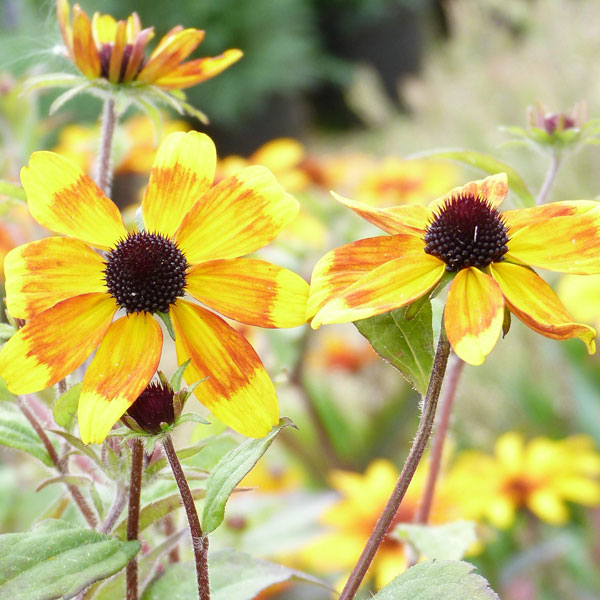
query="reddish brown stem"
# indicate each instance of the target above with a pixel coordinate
(133, 515)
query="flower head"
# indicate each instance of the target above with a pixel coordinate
(541, 475)
(195, 233)
(488, 254)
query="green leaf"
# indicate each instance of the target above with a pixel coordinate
(156, 511)
(432, 580)
(77, 443)
(233, 576)
(65, 406)
(13, 190)
(407, 344)
(52, 80)
(166, 319)
(487, 164)
(58, 560)
(16, 432)
(438, 542)
(229, 471)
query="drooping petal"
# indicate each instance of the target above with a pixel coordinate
(535, 303)
(183, 170)
(407, 219)
(41, 274)
(235, 217)
(343, 266)
(55, 342)
(565, 244)
(473, 315)
(85, 52)
(521, 217)
(250, 291)
(238, 390)
(123, 366)
(169, 53)
(393, 284)
(64, 199)
(196, 71)
(493, 189)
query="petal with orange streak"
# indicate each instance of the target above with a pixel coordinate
(535, 303)
(251, 291)
(344, 266)
(493, 189)
(137, 55)
(85, 51)
(64, 199)
(521, 217)
(238, 390)
(55, 342)
(169, 54)
(237, 216)
(408, 219)
(62, 13)
(395, 283)
(563, 244)
(118, 50)
(41, 274)
(196, 71)
(473, 315)
(183, 170)
(123, 366)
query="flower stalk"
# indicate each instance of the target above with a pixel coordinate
(104, 160)
(133, 515)
(551, 174)
(410, 466)
(199, 541)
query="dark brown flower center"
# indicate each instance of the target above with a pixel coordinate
(145, 272)
(153, 407)
(467, 231)
(105, 53)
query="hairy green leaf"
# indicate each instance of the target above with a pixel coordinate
(65, 406)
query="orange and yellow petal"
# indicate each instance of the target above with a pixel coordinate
(521, 217)
(64, 199)
(339, 269)
(118, 51)
(278, 296)
(410, 219)
(55, 342)
(565, 244)
(535, 303)
(171, 50)
(104, 28)
(183, 170)
(473, 315)
(199, 70)
(122, 367)
(85, 51)
(493, 189)
(64, 23)
(238, 390)
(41, 274)
(393, 284)
(137, 56)
(237, 216)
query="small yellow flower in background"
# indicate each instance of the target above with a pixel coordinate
(135, 144)
(115, 50)
(271, 478)
(541, 475)
(194, 234)
(488, 253)
(338, 351)
(398, 181)
(353, 517)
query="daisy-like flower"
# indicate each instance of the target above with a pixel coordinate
(488, 254)
(194, 234)
(115, 50)
(541, 475)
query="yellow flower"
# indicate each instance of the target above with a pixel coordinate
(337, 351)
(488, 254)
(270, 479)
(115, 51)
(353, 517)
(541, 475)
(194, 233)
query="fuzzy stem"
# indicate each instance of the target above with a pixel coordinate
(103, 164)
(199, 541)
(410, 466)
(133, 515)
(77, 496)
(115, 510)
(455, 369)
(549, 180)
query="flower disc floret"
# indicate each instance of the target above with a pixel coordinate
(146, 272)
(467, 231)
